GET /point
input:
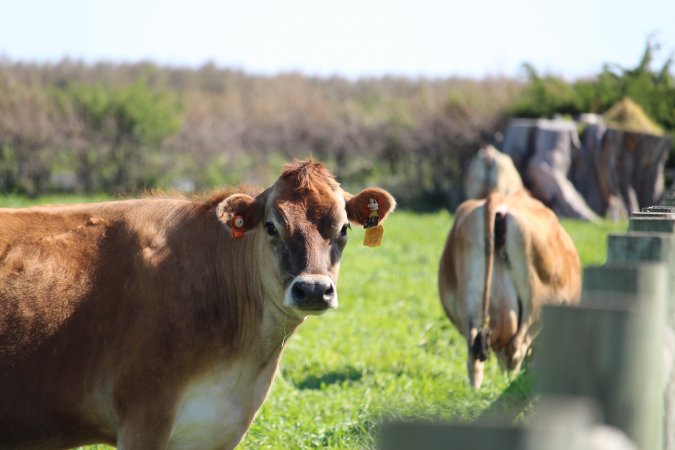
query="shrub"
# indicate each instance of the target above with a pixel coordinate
(116, 131)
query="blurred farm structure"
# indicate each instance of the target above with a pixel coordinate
(607, 171)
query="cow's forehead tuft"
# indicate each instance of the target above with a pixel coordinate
(309, 188)
(307, 175)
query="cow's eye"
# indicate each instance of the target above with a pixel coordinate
(343, 231)
(271, 229)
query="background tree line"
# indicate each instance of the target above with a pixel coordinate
(120, 128)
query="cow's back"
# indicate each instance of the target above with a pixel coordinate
(55, 260)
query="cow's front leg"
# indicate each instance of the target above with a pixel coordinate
(145, 433)
(145, 418)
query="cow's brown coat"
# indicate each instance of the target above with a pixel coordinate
(117, 317)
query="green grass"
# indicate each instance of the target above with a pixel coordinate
(389, 352)
(591, 240)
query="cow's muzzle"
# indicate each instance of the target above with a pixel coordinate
(312, 294)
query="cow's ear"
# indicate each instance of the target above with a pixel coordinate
(358, 209)
(240, 213)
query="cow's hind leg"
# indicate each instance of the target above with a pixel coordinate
(519, 266)
(474, 363)
(521, 345)
(517, 349)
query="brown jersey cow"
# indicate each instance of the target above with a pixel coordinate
(159, 323)
(504, 258)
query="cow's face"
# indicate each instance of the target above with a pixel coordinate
(302, 222)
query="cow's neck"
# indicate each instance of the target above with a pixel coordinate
(253, 297)
(276, 324)
(217, 407)
(277, 328)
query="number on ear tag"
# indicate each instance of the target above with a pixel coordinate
(238, 227)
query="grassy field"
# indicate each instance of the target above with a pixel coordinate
(388, 352)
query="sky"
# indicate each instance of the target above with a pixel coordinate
(350, 38)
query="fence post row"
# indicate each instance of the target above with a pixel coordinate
(603, 368)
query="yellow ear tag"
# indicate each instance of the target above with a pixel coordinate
(373, 236)
(374, 231)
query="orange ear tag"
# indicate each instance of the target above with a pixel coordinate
(374, 231)
(238, 227)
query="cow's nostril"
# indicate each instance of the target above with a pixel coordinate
(298, 292)
(329, 293)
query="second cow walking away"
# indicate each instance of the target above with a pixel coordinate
(505, 257)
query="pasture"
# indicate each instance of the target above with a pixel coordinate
(388, 352)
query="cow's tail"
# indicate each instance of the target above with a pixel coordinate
(481, 344)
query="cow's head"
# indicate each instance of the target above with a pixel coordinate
(302, 224)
